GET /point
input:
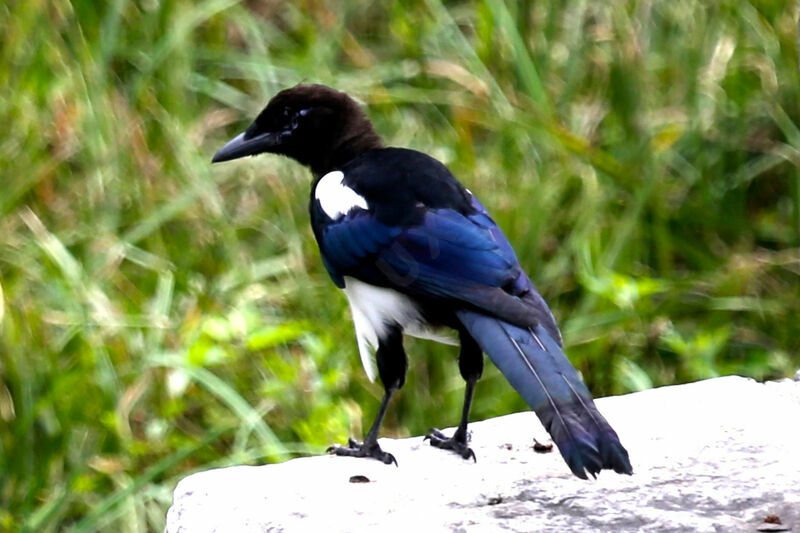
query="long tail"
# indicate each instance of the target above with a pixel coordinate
(537, 368)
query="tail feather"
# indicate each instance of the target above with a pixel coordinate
(537, 368)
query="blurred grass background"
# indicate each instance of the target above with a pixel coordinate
(159, 315)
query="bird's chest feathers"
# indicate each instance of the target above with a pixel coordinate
(382, 308)
(377, 309)
(335, 198)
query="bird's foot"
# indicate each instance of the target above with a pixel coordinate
(455, 444)
(362, 449)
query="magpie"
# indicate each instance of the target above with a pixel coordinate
(416, 253)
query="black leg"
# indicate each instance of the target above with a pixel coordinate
(370, 447)
(470, 363)
(392, 366)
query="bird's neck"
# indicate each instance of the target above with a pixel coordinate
(347, 148)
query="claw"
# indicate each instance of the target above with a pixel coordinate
(357, 449)
(470, 454)
(459, 446)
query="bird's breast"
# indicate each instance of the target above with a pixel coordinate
(375, 310)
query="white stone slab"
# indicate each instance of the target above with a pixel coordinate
(717, 455)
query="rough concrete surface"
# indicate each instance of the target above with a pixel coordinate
(717, 455)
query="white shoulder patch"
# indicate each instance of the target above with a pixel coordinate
(335, 198)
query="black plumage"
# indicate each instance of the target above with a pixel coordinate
(415, 252)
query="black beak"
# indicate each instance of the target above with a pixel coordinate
(240, 147)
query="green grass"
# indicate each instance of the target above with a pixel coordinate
(159, 315)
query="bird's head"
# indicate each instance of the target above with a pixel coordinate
(318, 126)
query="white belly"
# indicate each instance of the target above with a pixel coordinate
(375, 310)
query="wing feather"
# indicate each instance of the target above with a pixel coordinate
(462, 258)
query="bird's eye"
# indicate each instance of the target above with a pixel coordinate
(297, 116)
